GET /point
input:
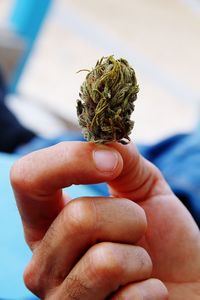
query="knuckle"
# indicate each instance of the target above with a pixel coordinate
(37, 279)
(31, 279)
(80, 214)
(104, 262)
(17, 174)
(21, 176)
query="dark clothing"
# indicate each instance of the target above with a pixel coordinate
(12, 133)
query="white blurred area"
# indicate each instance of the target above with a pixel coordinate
(161, 39)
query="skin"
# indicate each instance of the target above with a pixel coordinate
(139, 244)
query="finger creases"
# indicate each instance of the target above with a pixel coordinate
(103, 269)
(139, 178)
(83, 223)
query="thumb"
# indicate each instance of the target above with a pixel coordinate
(139, 178)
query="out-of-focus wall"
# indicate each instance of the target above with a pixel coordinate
(159, 38)
(5, 6)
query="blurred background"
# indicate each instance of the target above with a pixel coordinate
(44, 43)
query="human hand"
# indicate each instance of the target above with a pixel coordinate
(89, 248)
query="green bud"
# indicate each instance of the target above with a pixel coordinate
(107, 101)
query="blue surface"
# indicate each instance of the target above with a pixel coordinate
(178, 158)
(26, 19)
(27, 16)
(14, 254)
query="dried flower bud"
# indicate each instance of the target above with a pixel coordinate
(107, 101)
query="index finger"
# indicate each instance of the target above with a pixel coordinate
(38, 179)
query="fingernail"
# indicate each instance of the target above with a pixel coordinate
(105, 160)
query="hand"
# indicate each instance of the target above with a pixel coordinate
(90, 248)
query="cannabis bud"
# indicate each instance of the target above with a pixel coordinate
(107, 101)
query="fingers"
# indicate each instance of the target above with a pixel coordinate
(81, 224)
(102, 270)
(38, 178)
(139, 178)
(150, 289)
